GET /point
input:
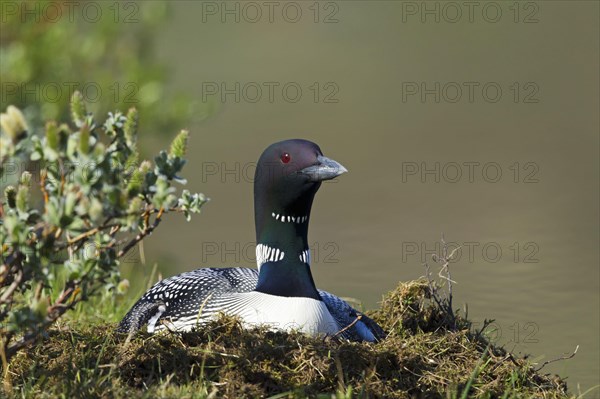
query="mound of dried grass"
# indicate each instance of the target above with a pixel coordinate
(426, 353)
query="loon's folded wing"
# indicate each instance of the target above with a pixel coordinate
(363, 329)
(182, 300)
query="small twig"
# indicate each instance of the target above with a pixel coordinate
(6, 297)
(450, 282)
(115, 227)
(91, 232)
(557, 359)
(486, 323)
(219, 353)
(3, 344)
(340, 371)
(432, 288)
(147, 231)
(445, 261)
(202, 308)
(348, 326)
(38, 291)
(61, 168)
(43, 175)
(54, 312)
(142, 253)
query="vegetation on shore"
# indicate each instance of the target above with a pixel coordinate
(74, 202)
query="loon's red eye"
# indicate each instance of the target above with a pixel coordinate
(285, 157)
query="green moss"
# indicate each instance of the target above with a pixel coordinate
(421, 357)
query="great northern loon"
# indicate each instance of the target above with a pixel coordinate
(281, 293)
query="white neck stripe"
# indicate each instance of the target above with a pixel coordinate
(305, 256)
(289, 219)
(265, 253)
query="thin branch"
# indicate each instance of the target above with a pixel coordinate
(348, 326)
(43, 175)
(558, 359)
(6, 297)
(54, 312)
(202, 308)
(146, 214)
(431, 286)
(147, 231)
(443, 301)
(91, 232)
(486, 323)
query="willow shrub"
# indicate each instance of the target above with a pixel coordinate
(81, 200)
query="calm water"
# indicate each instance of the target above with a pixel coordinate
(484, 131)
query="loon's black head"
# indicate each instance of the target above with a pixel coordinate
(288, 175)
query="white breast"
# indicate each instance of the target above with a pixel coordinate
(282, 313)
(256, 308)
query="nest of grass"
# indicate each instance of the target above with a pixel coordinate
(424, 355)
